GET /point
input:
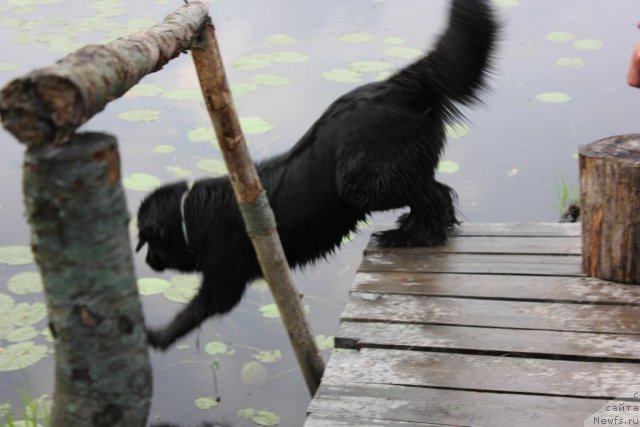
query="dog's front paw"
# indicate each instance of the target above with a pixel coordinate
(157, 339)
(398, 238)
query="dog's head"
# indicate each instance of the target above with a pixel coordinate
(160, 228)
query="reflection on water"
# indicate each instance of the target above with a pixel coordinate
(559, 83)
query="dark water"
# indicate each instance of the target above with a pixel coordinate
(509, 165)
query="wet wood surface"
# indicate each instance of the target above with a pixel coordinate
(499, 327)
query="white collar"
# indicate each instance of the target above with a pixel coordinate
(183, 199)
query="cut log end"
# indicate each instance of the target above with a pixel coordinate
(610, 192)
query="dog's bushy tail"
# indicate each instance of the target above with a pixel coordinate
(456, 69)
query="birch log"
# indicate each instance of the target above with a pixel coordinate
(610, 208)
(47, 105)
(78, 216)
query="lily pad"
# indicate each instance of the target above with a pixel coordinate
(342, 75)
(553, 97)
(11, 22)
(241, 89)
(145, 89)
(457, 130)
(447, 166)
(183, 94)
(15, 255)
(559, 36)
(141, 182)
(402, 52)
(25, 333)
(324, 342)
(502, 4)
(393, 41)
(369, 66)
(289, 57)
(588, 44)
(269, 80)
(25, 314)
(180, 295)
(8, 66)
(252, 62)
(46, 333)
(152, 285)
(202, 134)
(567, 62)
(270, 311)
(191, 281)
(260, 285)
(215, 347)
(358, 38)
(255, 125)
(206, 403)
(280, 40)
(253, 373)
(141, 115)
(20, 356)
(215, 167)
(164, 149)
(261, 418)
(6, 303)
(383, 75)
(25, 283)
(268, 356)
(178, 172)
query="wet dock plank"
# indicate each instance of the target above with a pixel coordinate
(497, 328)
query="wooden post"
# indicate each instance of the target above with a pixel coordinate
(257, 213)
(76, 208)
(610, 208)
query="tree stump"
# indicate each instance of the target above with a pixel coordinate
(610, 208)
(76, 207)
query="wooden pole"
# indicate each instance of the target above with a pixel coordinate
(47, 105)
(610, 208)
(257, 213)
(76, 208)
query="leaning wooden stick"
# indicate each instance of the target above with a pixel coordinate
(257, 213)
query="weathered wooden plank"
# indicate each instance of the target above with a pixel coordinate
(496, 341)
(416, 261)
(492, 313)
(497, 245)
(324, 420)
(483, 373)
(550, 229)
(448, 407)
(541, 288)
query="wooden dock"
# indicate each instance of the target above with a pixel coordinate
(497, 328)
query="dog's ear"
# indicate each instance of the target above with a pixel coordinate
(141, 243)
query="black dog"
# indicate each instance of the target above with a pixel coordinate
(375, 148)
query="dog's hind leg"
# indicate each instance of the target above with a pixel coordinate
(375, 186)
(431, 214)
(211, 299)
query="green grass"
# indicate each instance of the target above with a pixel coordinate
(35, 411)
(567, 194)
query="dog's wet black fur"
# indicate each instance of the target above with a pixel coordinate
(375, 148)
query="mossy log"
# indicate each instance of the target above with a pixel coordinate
(76, 208)
(47, 105)
(610, 207)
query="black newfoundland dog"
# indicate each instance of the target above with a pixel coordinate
(375, 148)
